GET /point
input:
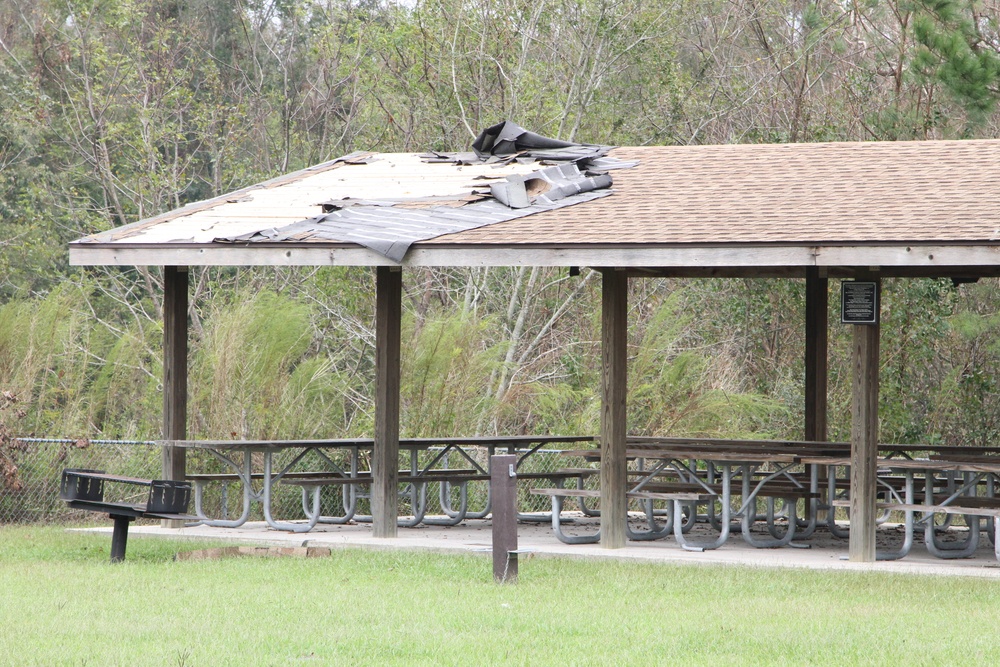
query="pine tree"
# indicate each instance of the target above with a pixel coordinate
(960, 48)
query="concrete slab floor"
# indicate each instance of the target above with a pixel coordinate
(474, 536)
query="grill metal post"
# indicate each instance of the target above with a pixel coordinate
(119, 538)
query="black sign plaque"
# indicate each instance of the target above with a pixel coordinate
(859, 302)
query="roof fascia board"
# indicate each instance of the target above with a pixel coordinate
(923, 257)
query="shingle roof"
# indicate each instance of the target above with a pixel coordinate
(910, 192)
(753, 198)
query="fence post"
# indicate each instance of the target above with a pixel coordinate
(503, 495)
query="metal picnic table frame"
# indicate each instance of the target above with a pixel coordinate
(243, 472)
(958, 477)
(950, 477)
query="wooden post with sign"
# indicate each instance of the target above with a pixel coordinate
(860, 307)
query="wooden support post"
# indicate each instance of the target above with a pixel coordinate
(864, 441)
(503, 499)
(175, 372)
(385, 457)
(817, 300)
(614, 357)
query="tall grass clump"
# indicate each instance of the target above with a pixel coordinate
(50, 352)
(675, 389)
(251, 344)
(446, 369)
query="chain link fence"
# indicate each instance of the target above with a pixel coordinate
(29, 489)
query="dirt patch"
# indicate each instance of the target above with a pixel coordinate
(255, 552)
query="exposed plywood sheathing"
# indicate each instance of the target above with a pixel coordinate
(301, 196)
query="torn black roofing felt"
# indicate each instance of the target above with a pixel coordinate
(508, 141)
(390, 228)
(390, 231)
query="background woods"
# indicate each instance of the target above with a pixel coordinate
(114, 110)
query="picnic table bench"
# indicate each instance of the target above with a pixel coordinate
(164, 499)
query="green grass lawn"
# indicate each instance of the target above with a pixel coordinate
(62, 603)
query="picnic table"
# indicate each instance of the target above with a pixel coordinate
(258, 485)
(914, 479)
(950, 482)
(668, 470)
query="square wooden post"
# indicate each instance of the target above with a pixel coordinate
(503, 496)
(614, 357)
(175, 372)
(817, 302)
(385, 457)
(864, 440)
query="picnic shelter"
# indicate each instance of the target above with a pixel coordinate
(819, 212)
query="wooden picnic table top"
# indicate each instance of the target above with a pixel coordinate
(733, 443)
(684, 448)
(362, 443)
(721, 455)
(804, 447)
(935, 464)
(808, 447)
(975, 450)
(942, 458)
(966, 457)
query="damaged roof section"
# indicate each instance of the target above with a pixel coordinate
(390, 228)
(569, 174)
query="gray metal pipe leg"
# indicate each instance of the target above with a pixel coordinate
(785, 540)
(455, 517)
(831, 515)
(248, 497)
(350, 500)
(749, 516)
(119, 537)
(557, 503)
(656, 531)
(689, 545)
(963, 549)
(907, 526)
(724, 519)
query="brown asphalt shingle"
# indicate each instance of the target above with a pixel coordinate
(900, 192)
